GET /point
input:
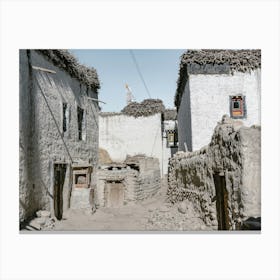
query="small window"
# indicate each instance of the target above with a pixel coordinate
(171, 138)
(238, 107)
(81, 123)
(65, 117)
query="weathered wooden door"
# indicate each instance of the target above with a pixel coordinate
(221, 202)
(59, 177)
(115, 195)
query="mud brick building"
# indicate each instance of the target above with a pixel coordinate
(220, 184)
(136, 179)
(58, 132)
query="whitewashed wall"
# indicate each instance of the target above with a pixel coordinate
(123, 135)
(209, 100)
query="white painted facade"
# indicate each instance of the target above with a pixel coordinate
(209, 101)
(123, 135)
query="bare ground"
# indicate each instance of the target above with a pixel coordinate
(154, 214)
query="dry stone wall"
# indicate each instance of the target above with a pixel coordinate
(234, 154)
(139, 175)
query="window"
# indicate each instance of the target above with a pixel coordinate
(81, 123)
(65, 117)
(238, 107)
(171, 138)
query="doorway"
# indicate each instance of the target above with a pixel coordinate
(114, 194)
(221, 202)
(59, 178)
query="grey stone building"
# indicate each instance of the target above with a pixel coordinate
(58, 132)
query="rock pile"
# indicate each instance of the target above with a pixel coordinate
(174, 218)
(43, 221)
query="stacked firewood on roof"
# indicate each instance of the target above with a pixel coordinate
(147, 107)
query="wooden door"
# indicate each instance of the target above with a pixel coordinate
(115, 195)
(221, 202)
(59, 177)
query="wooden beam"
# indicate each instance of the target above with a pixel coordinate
(43, 69)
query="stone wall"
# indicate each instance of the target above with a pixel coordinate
(233, 155)
(40, 143)
(139, 175)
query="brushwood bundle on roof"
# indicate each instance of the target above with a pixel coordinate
(146, 108)
(202, 61)
(170, 114)
(65, 60)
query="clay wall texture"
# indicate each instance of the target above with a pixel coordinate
(138, 184)
(40, 143)
(235, 153)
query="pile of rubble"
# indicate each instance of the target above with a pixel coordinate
(178, 217)
(147, 107)
(43, 221)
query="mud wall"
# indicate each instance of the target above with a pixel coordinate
(126, 176)
(40, 143)
(140, 181)
(233, 154)
(149, 179)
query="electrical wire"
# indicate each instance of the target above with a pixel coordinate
(139, 72)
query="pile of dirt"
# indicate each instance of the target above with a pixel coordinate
(104, 157)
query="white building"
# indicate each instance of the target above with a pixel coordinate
(213, 83)
(139, 129)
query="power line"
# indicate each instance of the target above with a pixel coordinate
(139, 72)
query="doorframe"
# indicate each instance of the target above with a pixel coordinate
(222, 201)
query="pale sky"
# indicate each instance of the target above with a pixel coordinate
(115, 68)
